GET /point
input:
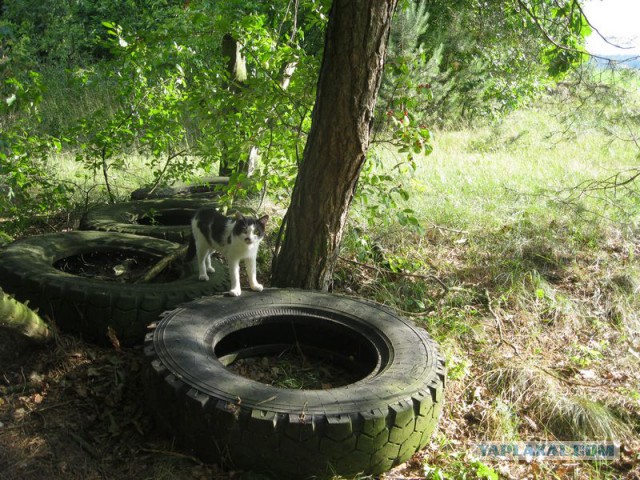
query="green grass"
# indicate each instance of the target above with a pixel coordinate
(539, 323)
(529, 280)
(506, 173)
(89, 185)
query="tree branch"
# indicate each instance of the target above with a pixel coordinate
(592, 26)
(499, 324)
(164, 170)
(20, 318)
(159, 267)
(105, 173)
(612, 182)
(550, 38)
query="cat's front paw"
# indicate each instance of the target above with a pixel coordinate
(211, 269)
(257, 287)
(235, 292)
(204, 277)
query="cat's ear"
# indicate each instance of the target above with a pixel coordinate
(263, 220)
(238, 216)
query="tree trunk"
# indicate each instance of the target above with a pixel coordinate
(336, 149)
(236, 63)
(237, 70)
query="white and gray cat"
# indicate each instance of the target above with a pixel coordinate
(236, 238)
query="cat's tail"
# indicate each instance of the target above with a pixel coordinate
(191, 250)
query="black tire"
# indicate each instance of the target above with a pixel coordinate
(367, 426)
(202, 187)
(167, 218)
(88, 306)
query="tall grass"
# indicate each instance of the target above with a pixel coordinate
(88, 184)
(499, 174)
(539, 255)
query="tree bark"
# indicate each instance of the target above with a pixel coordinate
(237, 70)
(236, 63)
(336, 149)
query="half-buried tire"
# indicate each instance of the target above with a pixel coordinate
(166, 218)
(37, 270)
(202, 187)
(376, 421)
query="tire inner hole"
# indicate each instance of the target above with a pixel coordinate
(298, 353)
(122, 266)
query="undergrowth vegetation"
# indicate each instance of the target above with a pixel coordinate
(523, 264)
(515, 243)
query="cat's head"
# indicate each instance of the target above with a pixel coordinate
(248, 229)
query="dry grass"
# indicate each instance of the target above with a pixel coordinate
(545, 396)
(539, 320)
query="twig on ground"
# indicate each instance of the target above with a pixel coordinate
(172, 454)
(86, 446)
(159, 267)
(447, 229)
(51, 407)
(499, 324)
(21, 388)
(400, 274)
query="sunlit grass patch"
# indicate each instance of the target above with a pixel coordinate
(538, 319)
(88, 184)
(551, 408)
(486, 177)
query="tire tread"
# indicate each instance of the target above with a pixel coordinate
(300, 445)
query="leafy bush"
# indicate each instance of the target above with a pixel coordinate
(471, 60)
(69, 33)
(27, 189)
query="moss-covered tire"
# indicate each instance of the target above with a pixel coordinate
(166, 218)
(88, 306)
(367, 426)
(202, 187)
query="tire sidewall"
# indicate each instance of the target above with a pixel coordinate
(122, 217)
(367, 426)
(88, 306)
(411, 365)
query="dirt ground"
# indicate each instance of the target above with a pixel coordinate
(72, 410)
(76, 411)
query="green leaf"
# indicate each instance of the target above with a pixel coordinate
(485, 472)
